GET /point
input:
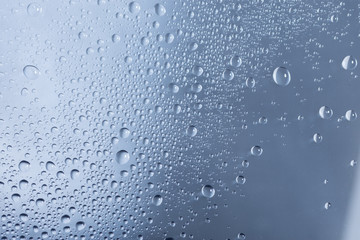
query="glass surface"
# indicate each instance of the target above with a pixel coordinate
(179, 119)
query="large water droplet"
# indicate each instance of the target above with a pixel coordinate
(50, 166)
(31, 72)
(281, 76)
(34, 9)
(349, 63)
(241, 236)
(74, 174)
(317, 138)
(160, 9)
(191, 131)
(134, 7)
(157, 200)
(208, 191)
(16, 197)
(24, 217)
(325, 112)
(228, 74)
(124, 133)
(235, 61)
(65, 219)
(24, 165)
(122, 157)
(256, 151)
(350, 115)
(197, 70)
(240, 179)
(80, 225)
(23, 184)
(40, 202)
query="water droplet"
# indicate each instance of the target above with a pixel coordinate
(349, 63)
(263, 120)
(208, 191)
(327, 205)
(191, 131)
(80, 225)
(169, 38)
(40, 202)
(115, 38)
(281, 76)
(197, 70)
(241, 236)
(353, 163)
(174, 88)
(16, 197)
(23, 184)
(245, 163)
(193, 46)
(157, 200)
(317, 138)
(34, 9)
(134, 7)
(235, 61)
(31, 72)
(24, 166)
(50, 166)
(250, 82)
(325, 112)
(24, 217)
(122, 157)
(160, 9)
(145, 41)
(256, 151)
(228, 74)
(196, 87)
(74, 174)
(124, 133)
(65, 219)
(334, 18)
(240, 179)
(350, 115)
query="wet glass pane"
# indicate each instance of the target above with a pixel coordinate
(179, 119)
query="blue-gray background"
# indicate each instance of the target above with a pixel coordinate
(129, 120)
